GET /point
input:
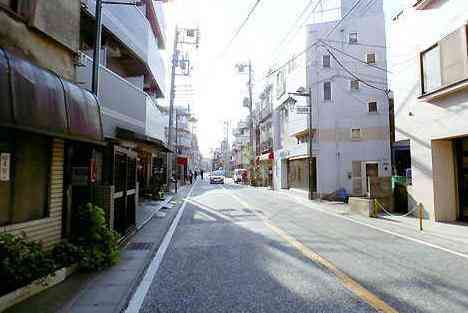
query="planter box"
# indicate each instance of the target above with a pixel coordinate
(362, 206)
(35, 287)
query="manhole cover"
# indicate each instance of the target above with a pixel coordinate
(139, 245)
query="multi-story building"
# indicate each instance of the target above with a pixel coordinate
(241, 151)
(347, 76)
(188, 152)
(428, 60)
(264, 137)
(43, 114)
(132, 80)
(290, 129)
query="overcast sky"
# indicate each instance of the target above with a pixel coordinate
(219, 90)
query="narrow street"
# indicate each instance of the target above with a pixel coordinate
(239, 249)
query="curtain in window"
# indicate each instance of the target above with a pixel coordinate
(431, 69)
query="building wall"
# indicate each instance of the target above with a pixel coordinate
(348, 109)
(47, 230)
(426, 123)
(51, 37)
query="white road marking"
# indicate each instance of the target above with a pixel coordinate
(136, 301)
(422, 242)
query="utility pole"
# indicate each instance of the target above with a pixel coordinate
(251, 126)
(175, 147)
(226, 154)
(97, 49)
(309, 125)
(187, 34)
(171, 160)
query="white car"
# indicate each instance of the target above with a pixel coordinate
(217, 177)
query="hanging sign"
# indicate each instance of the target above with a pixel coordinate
(5, 166)
(92, 171)
(302, 110)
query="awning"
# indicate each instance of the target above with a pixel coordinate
(38, 100)
(127, 134)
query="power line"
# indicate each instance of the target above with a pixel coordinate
(252, 10)
(354, 75)
(343, 18)
(270, 73)
(355, 58)
(293, 27)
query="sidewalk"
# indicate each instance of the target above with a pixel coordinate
(450, 236)
(109, 291)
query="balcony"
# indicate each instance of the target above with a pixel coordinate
(297, 124)
(122, 104)
(130, 26)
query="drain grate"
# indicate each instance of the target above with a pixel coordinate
(139, 245)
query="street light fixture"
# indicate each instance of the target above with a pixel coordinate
(302, 92)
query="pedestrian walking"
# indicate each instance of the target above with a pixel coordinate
(201, 174)
(190, 175)
(195, 174)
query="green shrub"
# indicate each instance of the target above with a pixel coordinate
(65, 254)
(98, 244)
(22, 262)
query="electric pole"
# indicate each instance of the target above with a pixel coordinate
(172, 158)
(189, 37)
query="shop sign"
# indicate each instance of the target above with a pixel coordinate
(5, 166)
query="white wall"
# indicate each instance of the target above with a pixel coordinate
(419, 121)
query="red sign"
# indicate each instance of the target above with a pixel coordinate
(182, 161)
(92, 171)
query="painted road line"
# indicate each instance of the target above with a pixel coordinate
(422, 242)
(349, 283)
(136, 301)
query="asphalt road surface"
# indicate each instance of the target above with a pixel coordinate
(240, 249)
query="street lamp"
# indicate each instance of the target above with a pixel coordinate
(302, 92)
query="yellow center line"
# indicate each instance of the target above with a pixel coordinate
(349, 283)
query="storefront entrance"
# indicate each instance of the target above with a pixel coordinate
(461, 147)
(125, 174)
(298, 173)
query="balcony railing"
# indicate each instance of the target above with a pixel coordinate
(130, 25)
(123, 104)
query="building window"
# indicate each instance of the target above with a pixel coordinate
(444, 64)
(370, 58)
(280, 84)
(24, 189)
(326, 61)
(372, 107)
(354, 85)
(22, 8)
(327, 92)
(353, 38)
(356, 134)
(432, 78)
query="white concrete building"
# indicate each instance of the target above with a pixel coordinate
(429, 64)
(348, 80)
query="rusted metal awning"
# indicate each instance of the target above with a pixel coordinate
(37, 100)
(127, 134)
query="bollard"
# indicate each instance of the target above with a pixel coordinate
(420, 216)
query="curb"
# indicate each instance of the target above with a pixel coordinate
(121, 307)
(149, 218)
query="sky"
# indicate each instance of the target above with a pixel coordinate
(218, 87)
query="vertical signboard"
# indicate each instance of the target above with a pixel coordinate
(4, 166)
